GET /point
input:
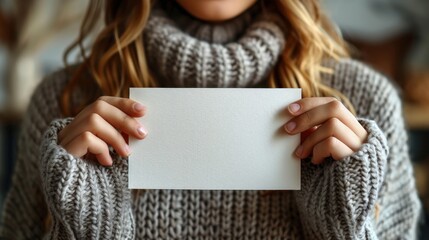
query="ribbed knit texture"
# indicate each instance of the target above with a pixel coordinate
(368, 195)
(181, 60)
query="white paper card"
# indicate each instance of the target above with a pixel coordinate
(215, 138)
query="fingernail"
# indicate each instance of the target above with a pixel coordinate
(142, 131)
(127, 149)
(138, 107)
(290, 126)
(294, 107)
(298, 151)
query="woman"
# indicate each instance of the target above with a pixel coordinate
(358, 184)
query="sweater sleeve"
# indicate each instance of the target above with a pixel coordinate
(87, 200)
(55, 195)
(337, 198)
(370, 194)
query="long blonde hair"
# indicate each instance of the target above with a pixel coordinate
(117, 59)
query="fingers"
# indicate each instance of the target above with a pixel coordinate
(128, 106)
(306, 104)
(332, 128)
(121, 118)
(327, 127)
(103, 130)
(113, 115)
(89, 143)
(330, 147)
(310, 112)
(103, 123)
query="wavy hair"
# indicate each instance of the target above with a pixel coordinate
(117, 58)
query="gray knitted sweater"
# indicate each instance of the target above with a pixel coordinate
(368, 195)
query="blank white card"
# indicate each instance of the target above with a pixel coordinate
(215, 138)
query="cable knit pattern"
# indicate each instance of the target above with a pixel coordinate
(337, 196)
(337, 200)
(368, 195)
(86, 193)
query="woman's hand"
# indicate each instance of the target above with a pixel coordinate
(105, 122)
(328, 129)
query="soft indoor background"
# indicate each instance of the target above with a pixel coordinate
(390, 35)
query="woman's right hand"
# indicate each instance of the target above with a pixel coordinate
(102, 124)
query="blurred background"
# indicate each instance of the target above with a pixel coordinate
(390, 35)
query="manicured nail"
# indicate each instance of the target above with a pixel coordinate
(298, 151)
(290, 126)
(294, 107)
(142, 131)
(138, 107)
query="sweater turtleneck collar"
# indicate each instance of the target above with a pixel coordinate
(184, 51)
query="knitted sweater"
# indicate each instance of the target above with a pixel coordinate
(368, 195)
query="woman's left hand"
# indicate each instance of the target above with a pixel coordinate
(328, 129)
